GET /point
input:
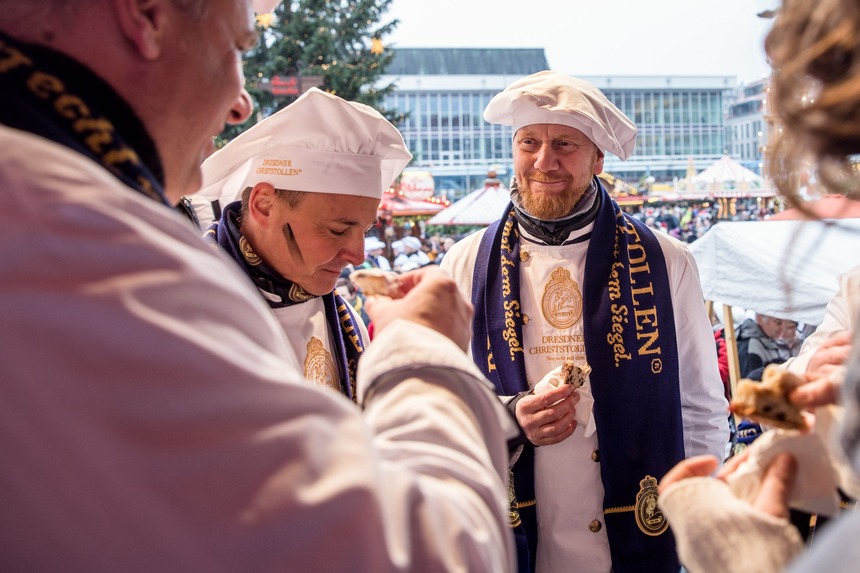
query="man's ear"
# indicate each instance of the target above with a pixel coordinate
(143, 23)
(598, 164)
(261, 203)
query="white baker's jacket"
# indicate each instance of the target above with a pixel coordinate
(841, 314)
(568, 487)
(152, 416)
(312, 340)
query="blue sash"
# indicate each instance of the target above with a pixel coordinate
(630, 345)
(339, 314)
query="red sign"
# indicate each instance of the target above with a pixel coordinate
(292, 85)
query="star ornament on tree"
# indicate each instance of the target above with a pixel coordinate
(265, 20)
(376, 47)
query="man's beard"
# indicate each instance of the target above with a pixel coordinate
(549, 207)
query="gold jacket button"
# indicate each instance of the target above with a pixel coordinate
(595, 526)
(524, 255)
(595, 456)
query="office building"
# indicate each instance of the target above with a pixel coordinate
(444, 91)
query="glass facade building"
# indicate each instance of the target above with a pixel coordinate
(443, 93)
(748, 128)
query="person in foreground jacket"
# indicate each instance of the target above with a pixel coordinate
(152, 414)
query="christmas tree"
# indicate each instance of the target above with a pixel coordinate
(335, 46)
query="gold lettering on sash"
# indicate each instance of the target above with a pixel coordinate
(71, 107)
(511, 307)
(512, 311)
(44, 85)
(347, 328)
(117, 156)
(616, 338)
(614, 282)
(647, 331)
(10, 58)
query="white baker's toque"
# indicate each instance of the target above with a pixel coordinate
(320, 143)
(551, 97)
(372, 244)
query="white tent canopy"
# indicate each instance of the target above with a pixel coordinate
(727, 171)
(480, 207)
(786, 269)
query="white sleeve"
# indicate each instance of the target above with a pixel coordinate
(704, 408)
(838, 316)
(716, 532)
(442, 434)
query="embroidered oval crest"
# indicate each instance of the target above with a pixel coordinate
(649, 518)
(319, 366)
(561, 303)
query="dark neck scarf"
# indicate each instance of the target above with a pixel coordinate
(630, 344)
(50, 95)
(556, 232)
(280, 292)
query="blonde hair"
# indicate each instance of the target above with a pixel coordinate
(814, 48)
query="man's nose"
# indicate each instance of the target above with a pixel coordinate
(354, 251)
(547, 159)
(242, 108)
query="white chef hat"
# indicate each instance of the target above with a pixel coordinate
(551, 97)
(320, 143)
(412, 242)
(372, 244)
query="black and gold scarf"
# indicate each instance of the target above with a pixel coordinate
(53, 96)
(631, 346)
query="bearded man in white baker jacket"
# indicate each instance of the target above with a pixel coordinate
(565, 275)
(153, 416)
(299, 191)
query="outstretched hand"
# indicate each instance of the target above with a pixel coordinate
(431, 299)
(823, 387)
(772, 497)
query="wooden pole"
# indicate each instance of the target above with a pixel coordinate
(731, 351)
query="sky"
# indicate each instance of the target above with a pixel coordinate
(600, 37)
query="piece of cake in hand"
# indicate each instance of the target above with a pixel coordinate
(767, 401)
(376, 282)
(573, 374)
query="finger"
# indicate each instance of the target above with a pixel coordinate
(776, 486)
(553, 395)
(840, 338)
(697, 466)
(554, 433)
(814, 394)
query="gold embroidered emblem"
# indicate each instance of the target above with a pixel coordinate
(649, 518)
(562, 302)
(513, 511)
(319, 366)
(248, 253)
(298, 294)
